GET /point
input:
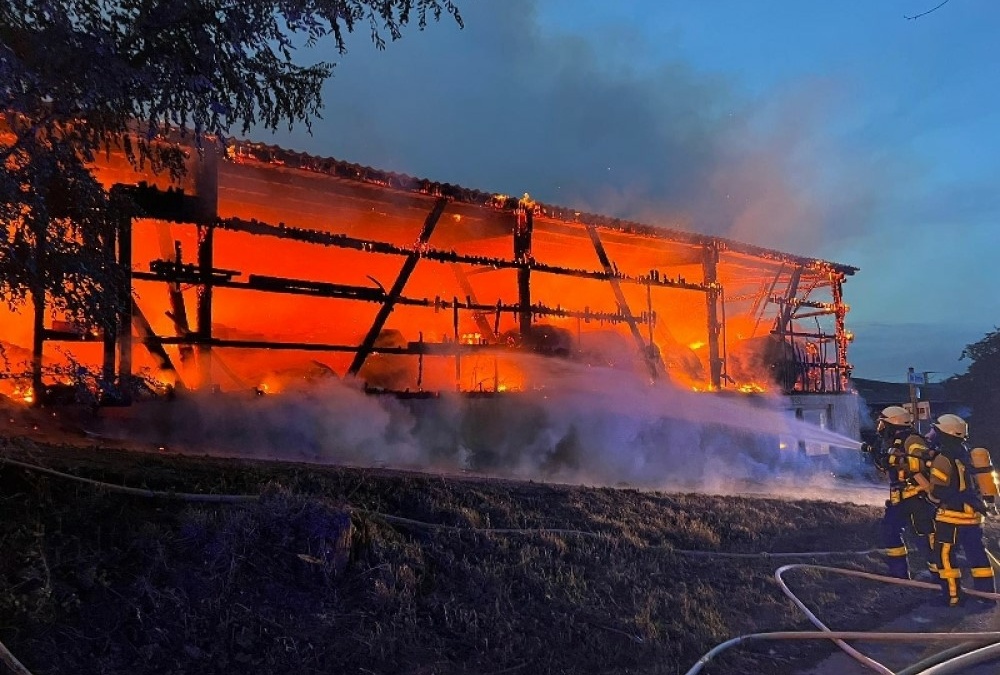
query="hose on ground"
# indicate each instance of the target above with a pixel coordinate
(136, 492)
(836, 636)
(399, 520)
(960, 663)
(938, 658)
(851, 651)
(9, 660)
(824, 632)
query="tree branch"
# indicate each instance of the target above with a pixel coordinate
(934, 9)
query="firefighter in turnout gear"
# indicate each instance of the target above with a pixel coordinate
(961, 507)
(905, 456)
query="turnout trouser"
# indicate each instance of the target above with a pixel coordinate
(915, 514)
(947, 538)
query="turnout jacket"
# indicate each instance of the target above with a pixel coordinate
(909, 461)
(953, 489)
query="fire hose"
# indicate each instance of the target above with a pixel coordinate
(943, 663)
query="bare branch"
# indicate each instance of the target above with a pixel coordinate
(934, 9)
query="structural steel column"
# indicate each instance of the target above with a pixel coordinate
(397, 288)
(710, 272)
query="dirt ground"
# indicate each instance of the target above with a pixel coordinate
(351, 570)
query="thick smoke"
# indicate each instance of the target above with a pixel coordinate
(588, 425)
(619, 127)
(508, 106)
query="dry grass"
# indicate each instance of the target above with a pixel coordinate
(310, 580)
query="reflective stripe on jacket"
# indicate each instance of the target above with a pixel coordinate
(956, 498)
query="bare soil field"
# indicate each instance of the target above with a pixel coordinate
(348, 570)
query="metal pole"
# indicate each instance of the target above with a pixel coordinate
(913, 399)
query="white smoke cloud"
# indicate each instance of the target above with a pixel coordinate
(588, 425)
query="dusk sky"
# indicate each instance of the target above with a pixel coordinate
(839, 130)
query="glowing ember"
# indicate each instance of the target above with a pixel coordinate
(23, 393)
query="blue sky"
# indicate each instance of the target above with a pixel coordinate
(840, 130)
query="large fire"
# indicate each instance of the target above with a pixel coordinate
(302, 263)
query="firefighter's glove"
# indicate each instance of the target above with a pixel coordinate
(979, 506)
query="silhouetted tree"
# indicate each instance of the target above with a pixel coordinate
(80, 76)
(979, 386)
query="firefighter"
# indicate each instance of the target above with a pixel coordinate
(905, 456)
(960, 511)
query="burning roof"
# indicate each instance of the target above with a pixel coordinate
(273, 155)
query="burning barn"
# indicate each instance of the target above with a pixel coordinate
(265, 268)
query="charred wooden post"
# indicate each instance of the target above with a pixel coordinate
(710, 273)
(112, 325)
(178, 309)
(761, 300)
(205, 263)
(784, 330)
(479, 316)
(150, 340)
(783, 321)
(125, 304)
(420, 363)
(612, 277)
(458, 350)
(207, 212)
(650, 316)
(840, 314)
(523, 226)
(397, 288)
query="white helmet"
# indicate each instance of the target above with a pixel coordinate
(953, 425)
(896, 415)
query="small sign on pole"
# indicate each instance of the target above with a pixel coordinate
(916, 378)
(923, 409)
